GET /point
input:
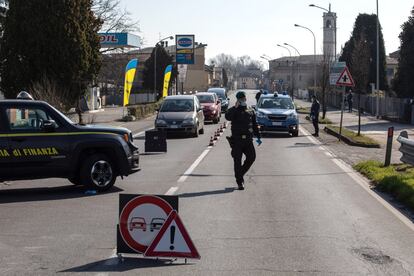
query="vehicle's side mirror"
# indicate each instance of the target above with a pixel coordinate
(228, 99)
(49, 125)
(218, 101)
(199, 109)
(253, 106)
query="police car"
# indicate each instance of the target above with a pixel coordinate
(277, 112)
(37, 141)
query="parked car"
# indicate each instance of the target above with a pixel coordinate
(222, 94)
(276, 112)
(181, 114)
(211, 106)
(37, 141)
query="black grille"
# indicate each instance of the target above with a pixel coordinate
(277, 118)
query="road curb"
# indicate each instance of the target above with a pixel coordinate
(347, 140)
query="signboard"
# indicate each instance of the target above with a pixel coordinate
(185, 45)
(150, 225)
(335, 73)
(345, 79)
(119, 40)
(172, 241)
(140, 219)
(182, 72)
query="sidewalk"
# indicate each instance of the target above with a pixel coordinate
(111, 116)
(370, 126)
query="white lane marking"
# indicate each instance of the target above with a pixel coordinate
(141, 133)
(171, 191)
(365, 185)
(361, 181)
(184, 177)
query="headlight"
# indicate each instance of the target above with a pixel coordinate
(160, 122)
(188, 122)
(293, 116)
(260, 115)
(212, 108)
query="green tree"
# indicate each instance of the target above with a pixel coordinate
(163, 60)
(360, 69)
(50, 39)
(403, 84)
(366, 23)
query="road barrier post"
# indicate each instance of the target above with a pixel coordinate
(389, 146)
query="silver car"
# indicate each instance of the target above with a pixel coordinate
(181, 114)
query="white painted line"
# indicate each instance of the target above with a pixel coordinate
(365, 185)
(184, 177)
(171, 191)
(361, 181)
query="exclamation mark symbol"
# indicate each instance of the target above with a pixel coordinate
(172, 236)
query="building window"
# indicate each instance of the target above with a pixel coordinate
(328, 24)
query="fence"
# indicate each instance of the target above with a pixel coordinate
(394, 109)
(117, 99)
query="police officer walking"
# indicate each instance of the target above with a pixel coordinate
(314, 114)
(243, 128)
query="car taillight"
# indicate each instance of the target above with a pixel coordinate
(126, 137)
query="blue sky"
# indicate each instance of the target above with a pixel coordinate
(242, 27)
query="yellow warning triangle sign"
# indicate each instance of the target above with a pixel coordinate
(345, 79)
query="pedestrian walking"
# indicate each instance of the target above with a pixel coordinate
(243, 129)
(258, 95)
(350, 101)
(314, 115)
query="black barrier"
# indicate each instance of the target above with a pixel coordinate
(155, 141)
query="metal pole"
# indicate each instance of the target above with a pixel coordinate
(378, 95)
(342, 113)
(155, 71)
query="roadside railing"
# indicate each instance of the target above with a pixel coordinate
(407, 148)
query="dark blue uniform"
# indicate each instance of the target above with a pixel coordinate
(243, 128)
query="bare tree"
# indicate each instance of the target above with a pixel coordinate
(360, 69)
(115, 19)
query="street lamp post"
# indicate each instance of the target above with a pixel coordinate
(314, 52)
(329, 12)
(155, 62)
(297, 62)
(290, 55)
(378, 97)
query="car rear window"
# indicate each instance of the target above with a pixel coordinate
(184, 105)
(205, 98)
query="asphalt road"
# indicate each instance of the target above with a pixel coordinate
(304, 212)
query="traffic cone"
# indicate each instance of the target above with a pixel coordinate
(224, 125)
(215, 136)
(211, 142)
(221, 129)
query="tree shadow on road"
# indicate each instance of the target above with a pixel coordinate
(127, 264)
(47, 193)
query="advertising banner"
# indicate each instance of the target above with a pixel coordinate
(130, 71)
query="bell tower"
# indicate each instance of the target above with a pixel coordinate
(329, 34)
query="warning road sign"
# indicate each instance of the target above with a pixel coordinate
(345, 79)
(140, 220)
(172, 241)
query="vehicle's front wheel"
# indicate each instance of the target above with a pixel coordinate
(295, 133)
(98, 172)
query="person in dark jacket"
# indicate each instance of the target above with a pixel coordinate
(350, 101)
(258, 95)
(243, 128)
(314, 115)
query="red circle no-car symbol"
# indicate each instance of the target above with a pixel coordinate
(140, 221)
